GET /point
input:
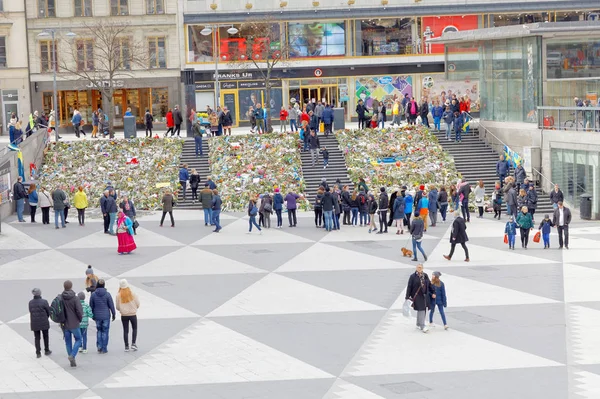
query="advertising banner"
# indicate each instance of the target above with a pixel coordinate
(317, 39)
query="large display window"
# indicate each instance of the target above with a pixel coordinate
(432, 27)
(496, 20)
(573, 58)
(386, 89)
(245, 46)
(374, 37)
(317, 39)
(199, 47)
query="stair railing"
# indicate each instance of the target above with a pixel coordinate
(491, 139)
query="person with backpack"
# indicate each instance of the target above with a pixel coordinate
(252, 212)
(39, 311)
(278, 206)
(103, 309)
(67, 311)
(83, 326)
(318, 208)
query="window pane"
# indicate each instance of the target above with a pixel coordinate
(78, 8)
(51, 8)
(200, 47)
(160, 9)
(152, 52)
(162, 59)
(2, 51)
(90, 56)
(88, 8)
(150, 6)
(383, 36)
(124, 8)
(317, 39)
(160, 104)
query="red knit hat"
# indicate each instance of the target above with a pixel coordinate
(422, 187)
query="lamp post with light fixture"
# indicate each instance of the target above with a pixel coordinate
(46, 33)
(214, 29)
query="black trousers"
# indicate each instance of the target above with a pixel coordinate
(106, 222)
(524, 237)
(170, 130)
(532, 211)
(463, 245)
(383, 220)
(194, 192)
(318, 216)
(162, 219)
(66, 212)
(32, 210)
(37, 335)
(347, 217)
(177, 130)
(81, 215)
(407, 216)
(292, 217)
(563, 230)
(46, 215)
(126, 320)
(148, 132)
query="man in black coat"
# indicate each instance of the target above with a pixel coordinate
(177, 119)
(39, 311)
(465, 190)
(19, 195)
(419, 290)
(458, 235)
(73, 316)
(360, 111)
(561, 219)
(384, 204)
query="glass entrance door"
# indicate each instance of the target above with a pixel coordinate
(319, 93)
(9, 108)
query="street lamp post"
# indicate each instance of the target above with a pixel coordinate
(52, 33)
(214, 29)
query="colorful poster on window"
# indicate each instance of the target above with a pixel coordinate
(383, 88)
(317, 39)
(433, 27)
(436, 88)
(5, 187)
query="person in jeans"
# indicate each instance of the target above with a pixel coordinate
(327, 203)
(112, 209)
(103, 309)
(198, 130)
(206, 196)
(32, 196)
(73, 317)
(561, 219)
(184, 176)
(290, 200)
(419, 291)
(259, 114)
(556, 196)
(313, 145)
(278, 206)
(39, 311)
(19, 195)
(178, 120)
(252, 212)
(58, 202)
(438, 298)
(83, 326)
(128, 304)
(216, 211)
(417, 227)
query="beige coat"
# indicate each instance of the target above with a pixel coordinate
(129, 308)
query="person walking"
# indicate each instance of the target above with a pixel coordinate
(291, 204)
(198, 131)
(278, 206)
(417, 228)
(125, 234)
(424, 112)
(525, 224)
(438, 298)
(433, 205)
(184, 176)
(39, 312)
(58, 202)
(19, 195)
(226, 121)
(259, 114)
(103, 308)
(497, 201)
(252, 212)
(398, 211)
(458, 126)
(545, 228)
(408, 206)
(44, 203)
(448, 118)
(177, 119)
(396, 113)
(502, 169)
(511, 198)
(127, 303)
(561, 219)
(95, 122)
(419, 292)
(532, 199)
(67, 202)
(328, 119)
(194, 183)
(443, 202)
(293, 118)
(463, 194)
(216, 204)
(33, 198)
(423, 207)
(384, 204)
(103, 209)
(556, 196)
(73, 312)
(479, 197)
(81, 203)
(206, 196)
(313, 145)
(167, 207)
(91, 280)
(149, 122)
(437, 113)
(458, 235)
(170, 123)
(85, 321)
(520, 176)
(510, 229)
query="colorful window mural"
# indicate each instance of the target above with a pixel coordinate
(435, 88)
(383, 88)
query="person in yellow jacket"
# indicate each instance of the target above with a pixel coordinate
(396, 113)
(81, 202)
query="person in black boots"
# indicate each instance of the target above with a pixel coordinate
(39, 311)
(458, 235)
(384, 203)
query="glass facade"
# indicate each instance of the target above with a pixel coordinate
(384, 36)
(573, 58)
(577, 172)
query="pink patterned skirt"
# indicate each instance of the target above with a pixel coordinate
(126, 243)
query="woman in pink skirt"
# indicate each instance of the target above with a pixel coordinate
(125, 234)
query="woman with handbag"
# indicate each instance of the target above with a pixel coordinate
(419, 291)
(266, 207)
(129, 210)
(479, 197)
(125, 234)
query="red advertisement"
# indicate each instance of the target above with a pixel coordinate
(433, 27)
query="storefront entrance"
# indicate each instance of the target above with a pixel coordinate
(229, 99)
(319, 93)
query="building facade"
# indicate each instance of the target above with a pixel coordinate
(147, 31)
(343, 51)
(14, 73)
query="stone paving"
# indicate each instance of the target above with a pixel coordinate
(301, 313)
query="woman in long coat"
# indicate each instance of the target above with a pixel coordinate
(419, 290)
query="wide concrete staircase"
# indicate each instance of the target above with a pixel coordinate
(201, 165)
(336, 169)
(476, 160)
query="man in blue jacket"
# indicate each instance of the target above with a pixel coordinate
(184, 176)
(327, 117)
(502, 169)
(103, 309)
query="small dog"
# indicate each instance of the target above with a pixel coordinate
(406, 252)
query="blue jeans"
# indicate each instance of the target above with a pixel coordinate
(306, 134)
(448, 130)
(465, 209)
(546, 238)
(354, 216)
(216, 218)
(20, 207)
(279, 219)
(69, 334)
(382, 123)
(417, 244)
(111, 225)
(336, 221)
(436, 122)
(325, 161)
(293, 125)
(328, 216)
(208, 216)
(511, 240)
(84, 337)
(198, 143)
(443, 210)
(441, 308)
(363, 218)
(457, 134)
(60, 213)
(252, 221)
(102, 335)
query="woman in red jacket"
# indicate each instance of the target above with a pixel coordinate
(170, 123)
(283, 117)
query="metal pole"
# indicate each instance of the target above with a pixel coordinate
(56, 112)
(217, 55)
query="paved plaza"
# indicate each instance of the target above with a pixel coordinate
(299, 313)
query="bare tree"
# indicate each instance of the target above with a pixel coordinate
(104, 53)
(262, 49)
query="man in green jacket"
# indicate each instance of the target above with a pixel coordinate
(206, 196)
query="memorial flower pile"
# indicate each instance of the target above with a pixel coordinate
(396, 156)
(256, 164)
(142, 168)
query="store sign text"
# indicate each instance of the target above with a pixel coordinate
(235, 76)
(106, 83)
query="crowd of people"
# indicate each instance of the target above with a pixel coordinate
(73, 312)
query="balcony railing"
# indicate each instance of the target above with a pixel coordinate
(585, 119)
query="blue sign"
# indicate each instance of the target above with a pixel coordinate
(385, 80)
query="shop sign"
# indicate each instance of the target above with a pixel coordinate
(318, 72)
(106, 83)
(257, 84)
(235, 75)
(205, 86)
(229, 85)
(385, 80)
(10, 95)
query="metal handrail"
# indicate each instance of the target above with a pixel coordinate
(488, 131)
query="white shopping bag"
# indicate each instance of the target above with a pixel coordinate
(407, 309)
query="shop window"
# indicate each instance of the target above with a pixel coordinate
(157, 52)
(119, 7)
(83, 8)
(85, 55)
(123, 54)
(244, 45)
(573, 58)
(372, 89)
(384, 36)
(47, 50)
(3, 63)
(47, 8)
(496, 20)
(160, 104)
(155, 7)
(1, 6)
(317, 39)
(433, 27)
(200, 47)
(573, 16)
